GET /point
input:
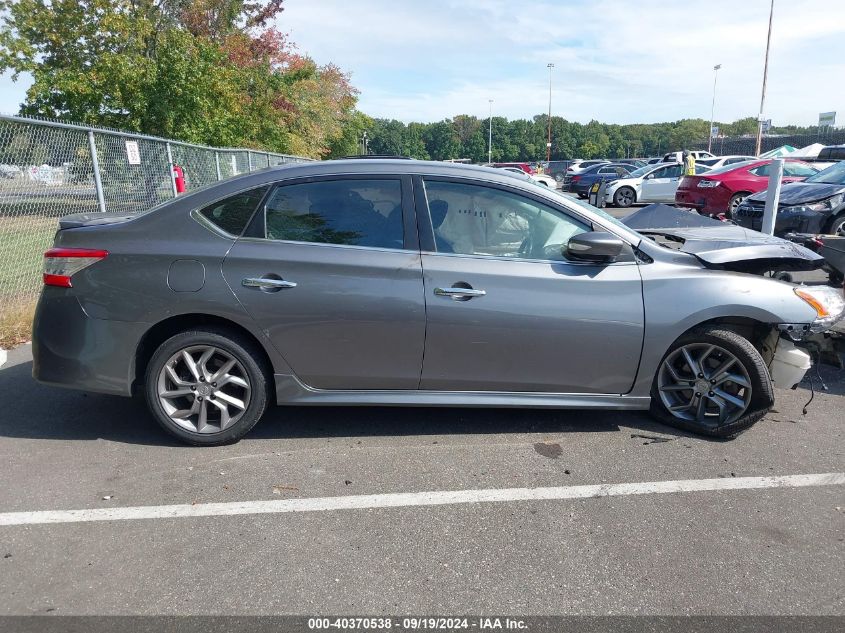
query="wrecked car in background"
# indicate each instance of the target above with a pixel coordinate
(816, 205)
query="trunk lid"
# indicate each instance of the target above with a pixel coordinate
(78, 220)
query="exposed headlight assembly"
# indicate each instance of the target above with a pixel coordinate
(821, 205)
(828, 303)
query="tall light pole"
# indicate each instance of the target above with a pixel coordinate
(490, 135)
(713, 105)
(765, 76)
(549, 142)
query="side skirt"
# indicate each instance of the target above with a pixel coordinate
(290, 391)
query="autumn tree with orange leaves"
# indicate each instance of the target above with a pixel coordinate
(215, 72)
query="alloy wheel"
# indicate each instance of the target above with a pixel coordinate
(624, 197)
(734, 204)
(203, 389)
(704, 383)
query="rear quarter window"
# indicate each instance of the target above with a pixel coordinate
(233, 213)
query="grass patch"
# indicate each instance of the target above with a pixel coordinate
(16, 323)
(23, 240)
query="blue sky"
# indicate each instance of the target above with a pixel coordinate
(616, 61)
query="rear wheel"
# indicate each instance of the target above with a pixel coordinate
(624, 197)
(735, 200)
(205, 387)
(713, 382)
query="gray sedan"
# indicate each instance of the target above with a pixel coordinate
(398, 282)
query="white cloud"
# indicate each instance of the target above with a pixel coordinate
(615, 61)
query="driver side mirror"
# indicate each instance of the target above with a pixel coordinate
(649, 177)
(597, 247)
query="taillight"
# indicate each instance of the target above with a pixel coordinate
(576, 178)
(60, 264)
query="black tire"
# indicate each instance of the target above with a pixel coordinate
(836, 226)
(735, 200)
(762, 391)
(621, 200)
(582, 196)
(239, 347)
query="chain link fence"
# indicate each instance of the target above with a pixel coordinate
(50, 169)
(747, 145)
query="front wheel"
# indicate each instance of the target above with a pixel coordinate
(206, 386)
(712, 382)
(624, 197)
(837, 226)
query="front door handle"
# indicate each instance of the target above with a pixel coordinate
(267, 283)
(459, 293)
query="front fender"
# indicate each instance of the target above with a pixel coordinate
(677, 299)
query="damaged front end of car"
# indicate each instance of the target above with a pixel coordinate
(788, 348)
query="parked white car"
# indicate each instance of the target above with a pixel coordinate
(582, 165)
(540, 179)
(721, 161)
(652, 183)
(678, 157)
(545, 180)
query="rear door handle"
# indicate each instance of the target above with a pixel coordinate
(267, 283)
(459, 293)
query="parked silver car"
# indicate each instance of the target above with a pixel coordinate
(398, 282)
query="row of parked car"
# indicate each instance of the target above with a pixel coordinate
(812, 198)
(732, 187)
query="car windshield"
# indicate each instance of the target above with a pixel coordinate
(642, 171)
(833, 175)
(600, 212)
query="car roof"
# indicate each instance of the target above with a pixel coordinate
(360, 166)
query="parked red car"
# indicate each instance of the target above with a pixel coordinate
(523, 166)
(721, 190)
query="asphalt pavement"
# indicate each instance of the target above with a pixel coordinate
(759, 551)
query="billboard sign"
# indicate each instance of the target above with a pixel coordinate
(827, 119)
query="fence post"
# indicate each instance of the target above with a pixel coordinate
(98, 183)
(172, 173)
(217, 164)
(249, 160)
(268, 158)
(770, 210)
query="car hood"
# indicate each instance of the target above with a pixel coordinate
(720, 244)
(631, 182)
(802, 193)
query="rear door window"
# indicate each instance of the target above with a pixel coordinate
(350, 212)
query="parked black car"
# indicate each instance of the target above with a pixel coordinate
(581, 183)
(816, 205)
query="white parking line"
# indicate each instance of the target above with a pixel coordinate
(410, 499)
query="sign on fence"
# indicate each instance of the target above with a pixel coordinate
(132, 153)
(827, 119)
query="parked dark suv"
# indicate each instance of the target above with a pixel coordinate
(831, 153)
(816, 205)
(557, 169)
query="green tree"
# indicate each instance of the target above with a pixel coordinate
(206, 71)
